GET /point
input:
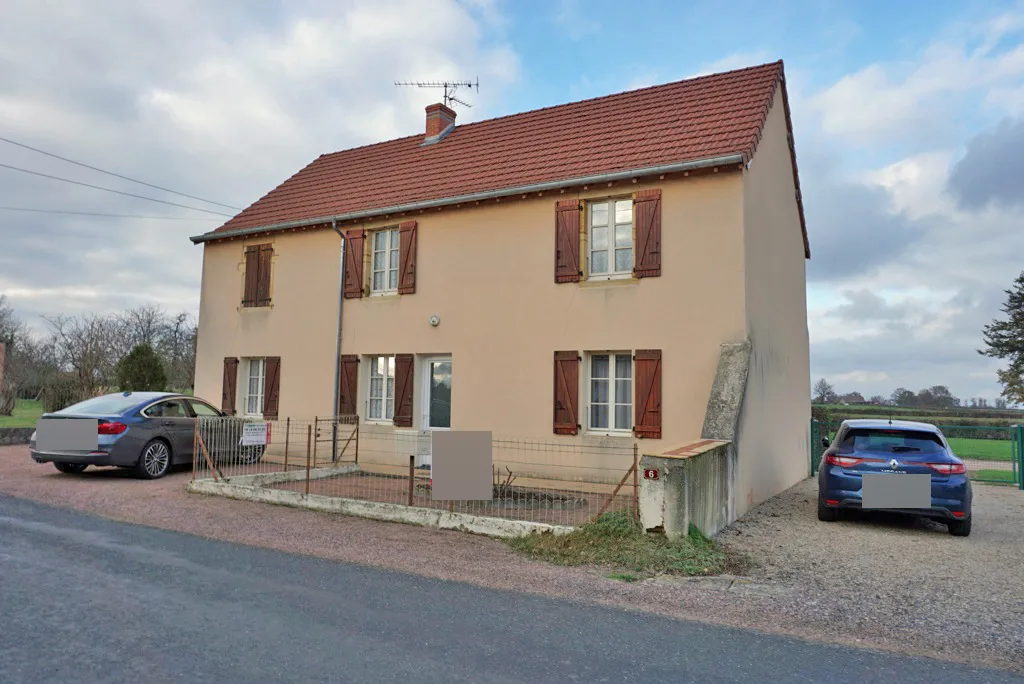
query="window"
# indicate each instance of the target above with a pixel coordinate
(173, 408)
(257, 275)
(382, 388)
(384, 261)
(203, 409)
(254, 391)
(890, 441)
(610, 238)
(611, 392)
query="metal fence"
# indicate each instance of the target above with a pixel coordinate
(992, 453)
(563, 484)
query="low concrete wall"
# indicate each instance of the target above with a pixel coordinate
(692, 488)
(724, 408)
(427, 517)
(10, 436)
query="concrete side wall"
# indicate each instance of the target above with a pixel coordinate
(773, 439)
(10, 436)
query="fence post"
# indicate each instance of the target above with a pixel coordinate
(316, 436)
(287, 435)
(412, 476)
(195, 447)
(357, 439)
(1020, 457)
(309, 439)
(636, 483)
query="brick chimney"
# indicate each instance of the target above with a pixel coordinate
(440, 122)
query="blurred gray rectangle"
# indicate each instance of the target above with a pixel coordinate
(460, 467)
(896, 490)
(66, 434)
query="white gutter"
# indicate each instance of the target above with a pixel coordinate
(727, 160)
(337, 349)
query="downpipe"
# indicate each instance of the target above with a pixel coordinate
(337, 348)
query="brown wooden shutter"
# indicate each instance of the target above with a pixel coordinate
(353, 288)
(647, 218)
(349, 385)
(271, 387)
(263, 276)
(252, 271)
(403, 390)
(228, 385)
(567, 241)
(567, 371)
(648, 393)
(407, 257)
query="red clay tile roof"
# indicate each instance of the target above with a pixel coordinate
(692, 120)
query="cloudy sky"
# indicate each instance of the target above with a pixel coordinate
(909, 127)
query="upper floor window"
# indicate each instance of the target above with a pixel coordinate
(610, 239)
(384, 261)
(257, 275)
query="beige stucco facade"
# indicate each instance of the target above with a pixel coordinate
(732, 268)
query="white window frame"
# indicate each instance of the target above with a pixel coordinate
(389, 252)
(254, 363)
(611, 225)
(612, 429)
(383, 417)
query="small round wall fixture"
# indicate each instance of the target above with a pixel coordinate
(434, 320)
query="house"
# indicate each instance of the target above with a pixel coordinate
(568, 275)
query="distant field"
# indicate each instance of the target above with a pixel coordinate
(26, 411)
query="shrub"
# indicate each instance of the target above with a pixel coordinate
(140, 370)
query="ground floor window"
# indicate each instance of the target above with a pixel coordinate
(254, 390)
(382, 388)
(610, 385)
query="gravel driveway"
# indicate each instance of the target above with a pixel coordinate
(896, 575)
(960, 600)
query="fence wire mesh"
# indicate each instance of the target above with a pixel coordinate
(532, 480)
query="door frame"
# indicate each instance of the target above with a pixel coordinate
(425, 458)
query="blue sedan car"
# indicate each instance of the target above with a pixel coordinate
(148, 432)
(872, 453)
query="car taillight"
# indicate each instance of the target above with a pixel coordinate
(843, 461)
(106, 428)
(948, 468)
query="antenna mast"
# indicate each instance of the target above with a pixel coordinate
(449, 89)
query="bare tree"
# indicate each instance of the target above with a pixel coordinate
(87, 348)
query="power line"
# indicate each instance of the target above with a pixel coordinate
(115, 175)
(92, 213)
(116, 192)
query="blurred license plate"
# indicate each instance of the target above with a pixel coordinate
(896, 490)
(66, 434)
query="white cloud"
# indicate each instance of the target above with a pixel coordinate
(575, 19)
(220, 100)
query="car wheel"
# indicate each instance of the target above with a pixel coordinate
(70, 468)
(251, 454)
(826, 514)
(155, 460)
(960, 528)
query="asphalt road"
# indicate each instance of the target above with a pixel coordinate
(84, 599)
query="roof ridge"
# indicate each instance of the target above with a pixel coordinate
(693, 79)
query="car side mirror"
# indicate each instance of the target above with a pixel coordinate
(824, 442)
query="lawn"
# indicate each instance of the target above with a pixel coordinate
(26, 411)
(982, 449)
(993, 476)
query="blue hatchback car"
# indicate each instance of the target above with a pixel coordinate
(879, 451)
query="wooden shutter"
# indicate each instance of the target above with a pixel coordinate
(353, 288)
(271, 387)
(567, 371)
(567, 241)
(648, 393)
(348, 369)
(263, 275)
(252, 270)
(228, 385)
(403, 390)
(407, 257)
(647, 218)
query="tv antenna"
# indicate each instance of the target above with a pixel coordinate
(449, 89)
